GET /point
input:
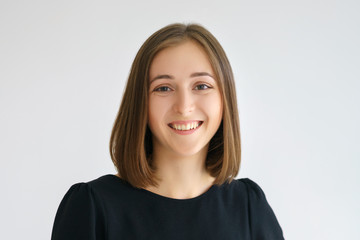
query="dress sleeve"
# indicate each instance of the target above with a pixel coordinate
(78, 216)
(263, 222)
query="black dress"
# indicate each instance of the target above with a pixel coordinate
(110, 208)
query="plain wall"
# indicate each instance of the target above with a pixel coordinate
(64, 64)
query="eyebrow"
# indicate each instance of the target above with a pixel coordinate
(196, 74)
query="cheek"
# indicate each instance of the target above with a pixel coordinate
(157, 110)
(213, 106)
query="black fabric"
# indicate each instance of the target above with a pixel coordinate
(110, 208)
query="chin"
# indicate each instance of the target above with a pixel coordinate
(192, 151)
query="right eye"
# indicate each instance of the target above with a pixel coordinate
(162, 89)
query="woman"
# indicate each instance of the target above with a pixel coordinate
(176, 147)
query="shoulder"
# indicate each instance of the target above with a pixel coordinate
(252, 188)
(253, 192)
(83, 211)
(79, 211)
(92, 193)
(78, 193)
(82, 195)
(263, 222)
(110, 184)
(99, 189)
(90, 187)
(245, 187)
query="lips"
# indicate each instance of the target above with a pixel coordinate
(185, 125)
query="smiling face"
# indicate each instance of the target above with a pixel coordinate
(185, 103)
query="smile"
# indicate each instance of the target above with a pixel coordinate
(185, 125)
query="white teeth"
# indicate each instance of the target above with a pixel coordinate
(183, 127)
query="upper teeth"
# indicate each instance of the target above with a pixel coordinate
(184, 127)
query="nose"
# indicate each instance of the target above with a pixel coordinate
(184, 102)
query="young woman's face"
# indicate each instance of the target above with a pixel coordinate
(185, 103)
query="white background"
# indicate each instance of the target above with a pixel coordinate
(63, 66)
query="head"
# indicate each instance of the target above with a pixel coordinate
(131, 138)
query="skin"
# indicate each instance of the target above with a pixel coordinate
(183, 90)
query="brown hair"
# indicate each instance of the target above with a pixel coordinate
(131, 143)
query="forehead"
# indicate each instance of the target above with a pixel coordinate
(187, 56)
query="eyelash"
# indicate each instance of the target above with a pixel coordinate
(161, 88)
(203, 84)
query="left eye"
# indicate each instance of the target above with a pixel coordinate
(202, 87)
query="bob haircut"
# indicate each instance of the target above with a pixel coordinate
(131, 138)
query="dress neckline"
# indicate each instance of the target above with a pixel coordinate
(161, 197)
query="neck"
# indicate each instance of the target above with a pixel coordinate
(181, 177)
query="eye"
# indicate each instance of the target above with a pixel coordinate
(162, 89)
(202, 87)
